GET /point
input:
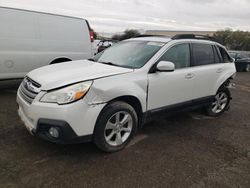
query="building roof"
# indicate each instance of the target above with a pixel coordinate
(153, 39)
(171, 33)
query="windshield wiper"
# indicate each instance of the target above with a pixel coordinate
(113, 64)
(108, 63)
(91, 59)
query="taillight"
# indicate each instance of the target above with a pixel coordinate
(91, 33)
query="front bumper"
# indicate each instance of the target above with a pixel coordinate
(76, 121)
(66, 133)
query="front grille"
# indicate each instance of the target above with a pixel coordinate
(29, 89)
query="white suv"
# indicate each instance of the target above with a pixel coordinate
(107, 98)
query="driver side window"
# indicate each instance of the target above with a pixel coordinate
(179, 55)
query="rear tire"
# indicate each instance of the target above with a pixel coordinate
(220, 104)
(115, 127)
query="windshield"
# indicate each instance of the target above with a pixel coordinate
(130, 54)
(232, 54)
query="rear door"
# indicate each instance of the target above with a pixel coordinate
(207, 67)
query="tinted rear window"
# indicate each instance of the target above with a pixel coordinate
(226, 58)
(217, 58)
(202, 54)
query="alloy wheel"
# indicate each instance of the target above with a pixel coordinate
(118, 128)
(221, 100)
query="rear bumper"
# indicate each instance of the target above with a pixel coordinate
(241, 65)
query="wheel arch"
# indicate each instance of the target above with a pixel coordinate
(134, 102)
(223, 81)
(60, 60)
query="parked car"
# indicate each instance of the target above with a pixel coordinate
(106, 99)
(104, 44)
(95, 46)
(29, 40)
(242, 60)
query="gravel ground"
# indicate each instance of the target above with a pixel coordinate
(188, 150)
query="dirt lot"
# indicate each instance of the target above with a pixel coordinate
(189, 150)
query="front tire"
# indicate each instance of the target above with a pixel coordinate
(115, 127)
(220, 104)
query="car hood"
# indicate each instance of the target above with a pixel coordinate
(58, 75)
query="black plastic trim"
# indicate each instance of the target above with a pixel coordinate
(192, 36)
(170, 110)
(67, 134)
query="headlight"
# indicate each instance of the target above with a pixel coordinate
(68, 94)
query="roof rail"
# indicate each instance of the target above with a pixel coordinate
(146, 35)
(192, 36)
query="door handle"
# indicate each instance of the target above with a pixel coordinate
(189, 76)
(219, 70)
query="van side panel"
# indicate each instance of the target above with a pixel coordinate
(29, 40)
(18, 38)
(63, 37)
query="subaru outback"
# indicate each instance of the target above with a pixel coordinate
(106, 99)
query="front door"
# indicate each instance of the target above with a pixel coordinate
(172, 88)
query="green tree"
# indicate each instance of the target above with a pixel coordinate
(95, 34)
(222, 36)
(234, 40)
(129, 33)
(116, 37)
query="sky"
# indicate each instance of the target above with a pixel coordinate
(111, 16)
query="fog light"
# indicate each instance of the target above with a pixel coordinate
(54, 132)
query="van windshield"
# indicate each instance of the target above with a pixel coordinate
(129, 54)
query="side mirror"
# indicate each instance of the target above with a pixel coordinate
(165, 66)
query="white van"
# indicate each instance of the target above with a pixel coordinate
(29, 40)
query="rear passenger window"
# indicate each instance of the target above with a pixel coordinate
(226, 58)
(202, 54)
(179, 55)
(217, 58)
